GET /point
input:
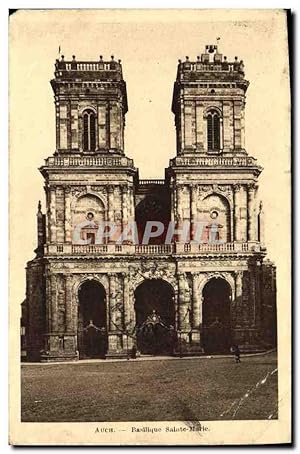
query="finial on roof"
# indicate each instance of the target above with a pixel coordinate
(187, 58)
(198, 57)
(101, 57)
(119, 61)
(179, 60)
(235, 58)
(73, 56)
(112, 57)
(62, 57)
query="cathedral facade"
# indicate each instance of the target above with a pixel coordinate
(104, 281)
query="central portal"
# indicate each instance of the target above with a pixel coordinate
(92, 332)
(155, 317)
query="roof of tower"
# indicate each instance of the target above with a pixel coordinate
(75, 76)
(211, 65)
(88, 70)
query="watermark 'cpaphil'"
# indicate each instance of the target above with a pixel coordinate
(91, 232)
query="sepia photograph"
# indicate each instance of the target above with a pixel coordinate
(150, 282)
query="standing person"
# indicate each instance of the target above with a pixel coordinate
(133, 352)
(236, 352)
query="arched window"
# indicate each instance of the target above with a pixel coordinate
(89, 130)
(213, 131)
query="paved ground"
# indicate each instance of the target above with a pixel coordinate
(166, 390)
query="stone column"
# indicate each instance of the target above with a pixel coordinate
(70, 336)
(179, 198)
(69, 303)
(124, 189)
(129, 315)
(243, 126)
(126, 302)
(68, 237)
(194, 193)
(173, 202)
(74, 125)
(48, 303)
(231, 224)
(236, 189)
(112, 301)
(238, 298)
(182, 124)
(251, 213)
(52, 194)
(110, 212)
(131, 203)
(253, 302)
(179, 210)
(221, 133)
(183, 303)
(197, 303)
(53, 296)
(110, 198)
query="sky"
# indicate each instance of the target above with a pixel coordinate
(149, 43)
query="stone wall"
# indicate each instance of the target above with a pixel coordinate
(36, 309)
(120, 278)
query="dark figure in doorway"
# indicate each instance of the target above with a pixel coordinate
(236, 352)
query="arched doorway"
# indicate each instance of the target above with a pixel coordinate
(92, 332)
(155, 317)
(216, 316)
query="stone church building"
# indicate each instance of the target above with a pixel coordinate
(89, 296)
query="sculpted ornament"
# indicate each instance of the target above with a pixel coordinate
(205, 188)
(99, 189)
(77, 191)
(150, 270)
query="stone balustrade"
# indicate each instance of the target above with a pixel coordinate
(88, 161)
(214, 161)
(195, 248)
(149, 182)
(155, 249)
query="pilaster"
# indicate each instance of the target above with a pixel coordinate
(251, 213)
(52, 197)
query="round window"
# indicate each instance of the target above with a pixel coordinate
(90, 216)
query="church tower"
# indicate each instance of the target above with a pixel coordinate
(213, 182)
(209, 105)
(88, 180)
(90, 104)
(209, 108)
